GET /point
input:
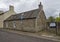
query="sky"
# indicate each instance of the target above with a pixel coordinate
(51, 7)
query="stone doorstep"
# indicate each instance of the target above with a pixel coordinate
(54, 38)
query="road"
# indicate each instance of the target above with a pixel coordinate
(13, 37)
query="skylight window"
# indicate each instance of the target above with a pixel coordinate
(22, 16)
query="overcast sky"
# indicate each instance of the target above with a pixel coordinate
(51, 7)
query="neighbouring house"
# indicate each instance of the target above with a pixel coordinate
(5, 15)
(33, 20)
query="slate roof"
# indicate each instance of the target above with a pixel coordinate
(25, 15)
(1, 13)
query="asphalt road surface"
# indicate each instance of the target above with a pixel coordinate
(13, 37)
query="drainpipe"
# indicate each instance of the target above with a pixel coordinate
(36, 25)
(57, 29)
(21, 25)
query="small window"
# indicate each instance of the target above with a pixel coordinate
(21, 17)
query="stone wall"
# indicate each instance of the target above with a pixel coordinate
(29, 24)
(41, 21)
(24, 25)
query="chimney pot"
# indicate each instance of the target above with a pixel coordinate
(11, 8)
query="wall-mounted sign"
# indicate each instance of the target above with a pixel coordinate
(52, 25)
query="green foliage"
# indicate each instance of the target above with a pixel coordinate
(57, 19)
(51, 19)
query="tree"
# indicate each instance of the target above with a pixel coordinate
(57, 19)
(51, 19)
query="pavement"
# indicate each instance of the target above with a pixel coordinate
(44, 37)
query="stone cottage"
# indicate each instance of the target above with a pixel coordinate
(33, 21)
(5, 15)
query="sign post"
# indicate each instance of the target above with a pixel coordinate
(57, 29)
(54, 25)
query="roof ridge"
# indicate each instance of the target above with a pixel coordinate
(26, 11)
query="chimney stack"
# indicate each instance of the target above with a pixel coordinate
(40, 6)
(11, 8)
